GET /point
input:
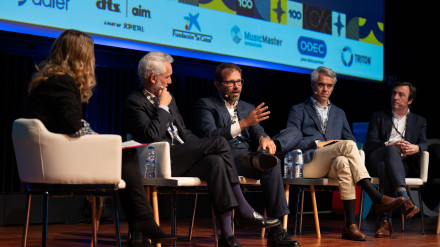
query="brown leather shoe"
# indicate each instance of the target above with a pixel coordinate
(385, 230)
(409, 209)
(388, 204)
(353, 233)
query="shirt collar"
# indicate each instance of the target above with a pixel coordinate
(397, 116)
(317, 104)
(146, 93)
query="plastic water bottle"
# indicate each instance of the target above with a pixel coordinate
(150, 163)
(288, 163)
(299, 164)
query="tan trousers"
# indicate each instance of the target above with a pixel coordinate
(339, 161)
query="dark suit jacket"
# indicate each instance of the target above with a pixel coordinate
(211, 118)
(380, 126)
(147, 123)
(57, 103)
(304, 117)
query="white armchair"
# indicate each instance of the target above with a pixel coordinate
(198, 186)
(412, 184)
(50, 162)
(327, 184)
(163, 170)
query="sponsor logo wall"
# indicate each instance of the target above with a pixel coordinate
(275, 31)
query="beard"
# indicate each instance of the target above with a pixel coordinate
(232, 97)
(156, 87)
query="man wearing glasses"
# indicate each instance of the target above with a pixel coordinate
(224, 114)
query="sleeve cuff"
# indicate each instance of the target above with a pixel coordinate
(166, 108)
(235, 129)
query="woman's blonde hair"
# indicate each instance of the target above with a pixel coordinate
(72, 53)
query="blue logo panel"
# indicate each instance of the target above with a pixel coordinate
(312, 47)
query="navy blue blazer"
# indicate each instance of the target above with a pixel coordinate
(304, 117)
(211, 118)
(380, 126)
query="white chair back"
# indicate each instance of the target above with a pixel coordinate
(46, 157)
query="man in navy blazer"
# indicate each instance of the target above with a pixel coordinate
(225, 115)
(395, 140)
(330, 150)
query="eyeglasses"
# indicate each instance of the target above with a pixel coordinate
(232, 83)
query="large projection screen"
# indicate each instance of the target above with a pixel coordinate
(345, 35)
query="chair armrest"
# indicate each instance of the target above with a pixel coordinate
(424, 164)
(163, 168)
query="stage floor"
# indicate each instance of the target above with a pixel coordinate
(331, 226)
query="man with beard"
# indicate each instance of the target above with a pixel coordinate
(151, 115)
(224, 114)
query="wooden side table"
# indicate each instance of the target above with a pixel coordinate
(300, 183)
(151, 185)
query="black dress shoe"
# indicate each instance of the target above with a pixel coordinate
(138, 239)
(231, 241)
(277, 236)
(260, 160)
(257, 221)
(152, 231)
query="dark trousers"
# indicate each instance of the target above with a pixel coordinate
(210, 159)
(134, 201)
(391, 168)
(271, 184)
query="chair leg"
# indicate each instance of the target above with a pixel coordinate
(26, 224)
(94, 223)
(315, 211)
(263, 230)
(174, 215)
(297, 191)
(116, 217)
(403, 222)
(155, 203)
(214, 226)
(45, 217)
(232, 218)
(361, 209)
(191, 224)
(438, 223)
(286, 193)
(301, 212)
(97, 218)
(421, 210)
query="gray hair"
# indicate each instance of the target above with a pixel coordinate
(153, 63)
(323, 70)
